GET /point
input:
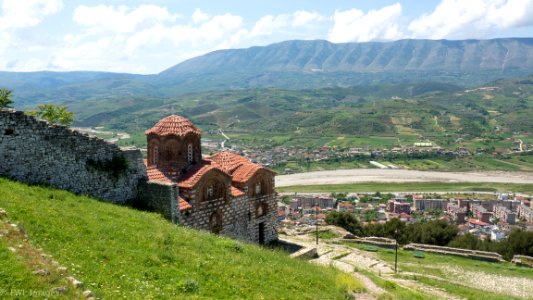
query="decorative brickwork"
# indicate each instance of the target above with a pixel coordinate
(225, 193)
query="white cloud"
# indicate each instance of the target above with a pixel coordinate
(511, 13)
(199, 16)
(121, 19)
(27, 13)
(355, 26)
(472, 18)
(269, 24)
(303, 17)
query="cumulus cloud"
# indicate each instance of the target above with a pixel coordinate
(199, 16)
(26, 13)
(291, 23)
(269, 24)
(473, 18)
(356, 26)
(121, 19)
(302, 18)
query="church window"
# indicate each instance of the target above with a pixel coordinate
(155, 154)
(189, 153)
(210, 192)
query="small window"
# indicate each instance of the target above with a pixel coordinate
(210, 192)
(155, 154)
(189, 153)
(258, 188)
(9, 131)
(260, 211)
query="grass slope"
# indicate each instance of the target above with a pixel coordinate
(456, 275)
(119, 252)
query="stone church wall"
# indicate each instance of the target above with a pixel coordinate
(162, 198)
(35, 151)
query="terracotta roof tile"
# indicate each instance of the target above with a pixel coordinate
(184, 205)
(477, 222)
(154, 174)
(195, 174)
(173, 125)
(235, 192)
(240, 168)
(229, 161)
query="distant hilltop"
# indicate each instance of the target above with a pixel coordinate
(323, 56)
(292, 65)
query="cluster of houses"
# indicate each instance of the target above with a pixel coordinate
(306, 210)
(282, 154)
(492, 219)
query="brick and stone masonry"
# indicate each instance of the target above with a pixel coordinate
(224, 193)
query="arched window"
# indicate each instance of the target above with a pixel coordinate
(214, 190)
(210, 193)
(261, 209)
(189, 153)
(155, 155)
(258, 190)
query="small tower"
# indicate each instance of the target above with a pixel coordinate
(173, 145)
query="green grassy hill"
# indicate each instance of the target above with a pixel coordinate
(485, 119)
(119, 252)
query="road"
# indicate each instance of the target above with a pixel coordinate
(395, 175)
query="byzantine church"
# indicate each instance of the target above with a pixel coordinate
(224, 193)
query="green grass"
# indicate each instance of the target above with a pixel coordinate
(409, 187)
(393, 290)
(436, 265)
(430, 264)
(325, 235)
(119, 252)
(18, 282)
(462, 291)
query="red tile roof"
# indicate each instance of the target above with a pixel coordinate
(193, 176)
(238, 166)
(154, 174)
(235, 192)
(229, 161)
(184, 205)
(173, 125)
(477, 222)
(405, 216)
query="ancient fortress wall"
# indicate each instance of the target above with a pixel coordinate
(34, 151)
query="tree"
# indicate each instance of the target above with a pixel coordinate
(53, 114)
(345, 220)
(5, 97)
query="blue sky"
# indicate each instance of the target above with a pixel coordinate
(149, 36)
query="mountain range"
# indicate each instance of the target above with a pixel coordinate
(290, 65)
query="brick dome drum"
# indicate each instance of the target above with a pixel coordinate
(174, 125)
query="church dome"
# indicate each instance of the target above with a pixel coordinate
(173, 125)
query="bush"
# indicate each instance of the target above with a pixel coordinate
(189, 286)
(345, 220)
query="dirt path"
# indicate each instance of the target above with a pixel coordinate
(396, 175)
(57, 277)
